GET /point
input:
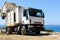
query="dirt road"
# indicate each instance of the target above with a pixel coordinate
(31, 37)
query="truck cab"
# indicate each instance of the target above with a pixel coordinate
(33, 19)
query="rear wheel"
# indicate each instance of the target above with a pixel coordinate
(8, 30)
(23, 30)
(37, 32)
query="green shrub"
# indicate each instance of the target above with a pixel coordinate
(48, 30)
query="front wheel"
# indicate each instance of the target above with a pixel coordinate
(37, 32)
(23, 30)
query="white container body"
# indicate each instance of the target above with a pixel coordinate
(10, 19)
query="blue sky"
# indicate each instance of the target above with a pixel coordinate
(51, 8)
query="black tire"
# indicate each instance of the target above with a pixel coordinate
(37, 32)
(8, 30)
(43, 28)
(23, 30)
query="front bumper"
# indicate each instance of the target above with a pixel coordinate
(36, 27)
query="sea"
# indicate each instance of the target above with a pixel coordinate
(55, 28)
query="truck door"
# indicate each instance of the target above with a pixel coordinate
(26, 16)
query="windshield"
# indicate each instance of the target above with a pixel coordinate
(36, 13)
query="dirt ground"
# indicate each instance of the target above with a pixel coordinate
(55, 36)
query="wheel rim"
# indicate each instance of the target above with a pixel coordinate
(23, 31)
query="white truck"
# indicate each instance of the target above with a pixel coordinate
(24, 20)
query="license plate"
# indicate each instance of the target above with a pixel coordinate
(37, 26)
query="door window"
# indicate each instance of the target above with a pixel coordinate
(26, 14)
